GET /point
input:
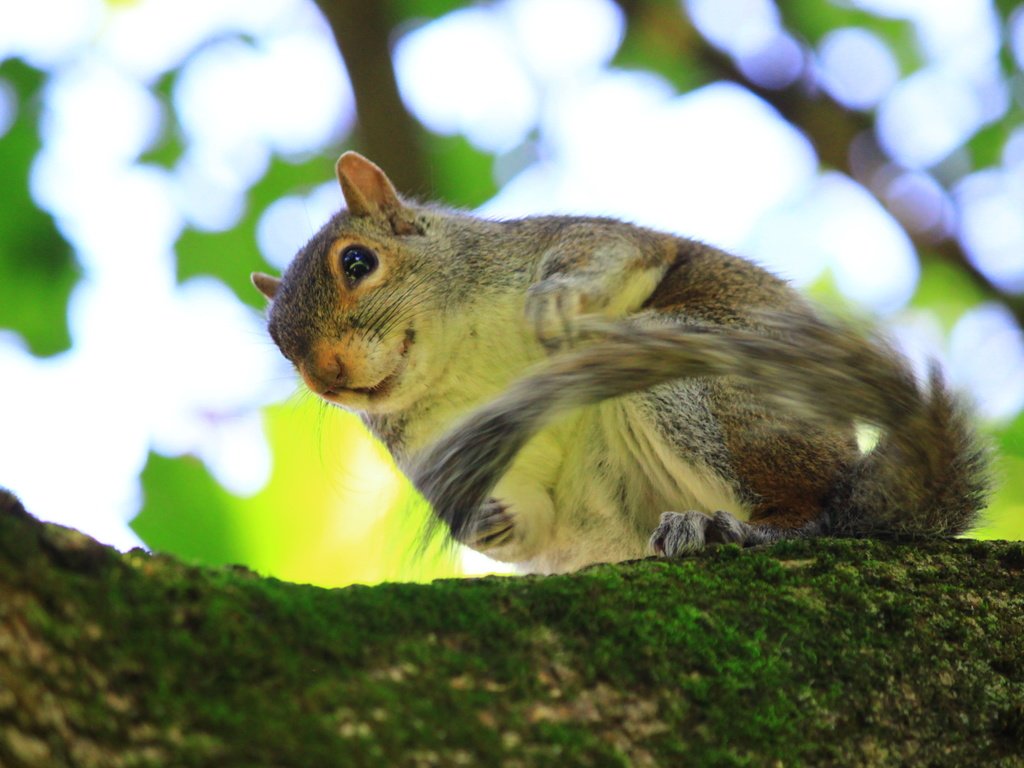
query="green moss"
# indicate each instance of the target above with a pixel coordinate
(817, 652)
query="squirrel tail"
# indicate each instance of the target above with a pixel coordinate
(927, 475)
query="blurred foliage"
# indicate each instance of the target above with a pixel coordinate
(654, 41)
(336, 510)
(232, 255)
(1005, 517)
(460, 174)
(945, 291)
(37, 270)
(314, 521)
(812, 20)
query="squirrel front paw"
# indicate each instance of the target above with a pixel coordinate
(491, 527)
(681, 533)
(553, 307)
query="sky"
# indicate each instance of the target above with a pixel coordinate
(716, 163)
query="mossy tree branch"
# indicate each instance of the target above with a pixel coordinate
(817, 652)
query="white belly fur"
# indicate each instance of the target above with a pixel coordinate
(591, 488)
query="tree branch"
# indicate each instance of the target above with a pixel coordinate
(387, 133)
(133, 659)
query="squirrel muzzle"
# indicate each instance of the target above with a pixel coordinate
(353, 373)
(324, 370)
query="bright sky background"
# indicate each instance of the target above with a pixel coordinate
(184, 369)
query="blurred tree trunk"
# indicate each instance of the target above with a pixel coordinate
(816, 652)
(387, 133)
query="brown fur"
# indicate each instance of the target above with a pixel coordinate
(788, 469)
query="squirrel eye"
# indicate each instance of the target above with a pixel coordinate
(357, 261)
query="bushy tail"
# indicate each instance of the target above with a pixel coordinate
(926, 476)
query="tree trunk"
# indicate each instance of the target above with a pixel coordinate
(819, 652)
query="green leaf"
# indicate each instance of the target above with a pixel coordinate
(986, 146)
(1006, 8)
(946, 291)
(825, 291)
(1010, 441)
(169, 146)
(409, 10)
(1004, 518)
(187, 513)
(37, 269)
(814, 19)
(463, 176)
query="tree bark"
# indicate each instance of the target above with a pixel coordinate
(819, 652)
(387, 133)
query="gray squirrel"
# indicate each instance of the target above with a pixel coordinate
(567, 390)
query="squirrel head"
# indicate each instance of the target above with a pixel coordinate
(350, 306)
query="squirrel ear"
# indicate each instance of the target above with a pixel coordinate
(369, 192)
(265, 284)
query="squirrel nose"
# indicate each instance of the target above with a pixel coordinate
(339, 369)
(325, 372)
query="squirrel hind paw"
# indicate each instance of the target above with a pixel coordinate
(683, 533)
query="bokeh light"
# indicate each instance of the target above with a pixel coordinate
(858, 68)
(493, 103)
(255, 83)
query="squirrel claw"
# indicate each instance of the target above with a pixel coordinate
(681, 533)
(492, 526)
(552, 308)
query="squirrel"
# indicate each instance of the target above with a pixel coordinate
(567, 390)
